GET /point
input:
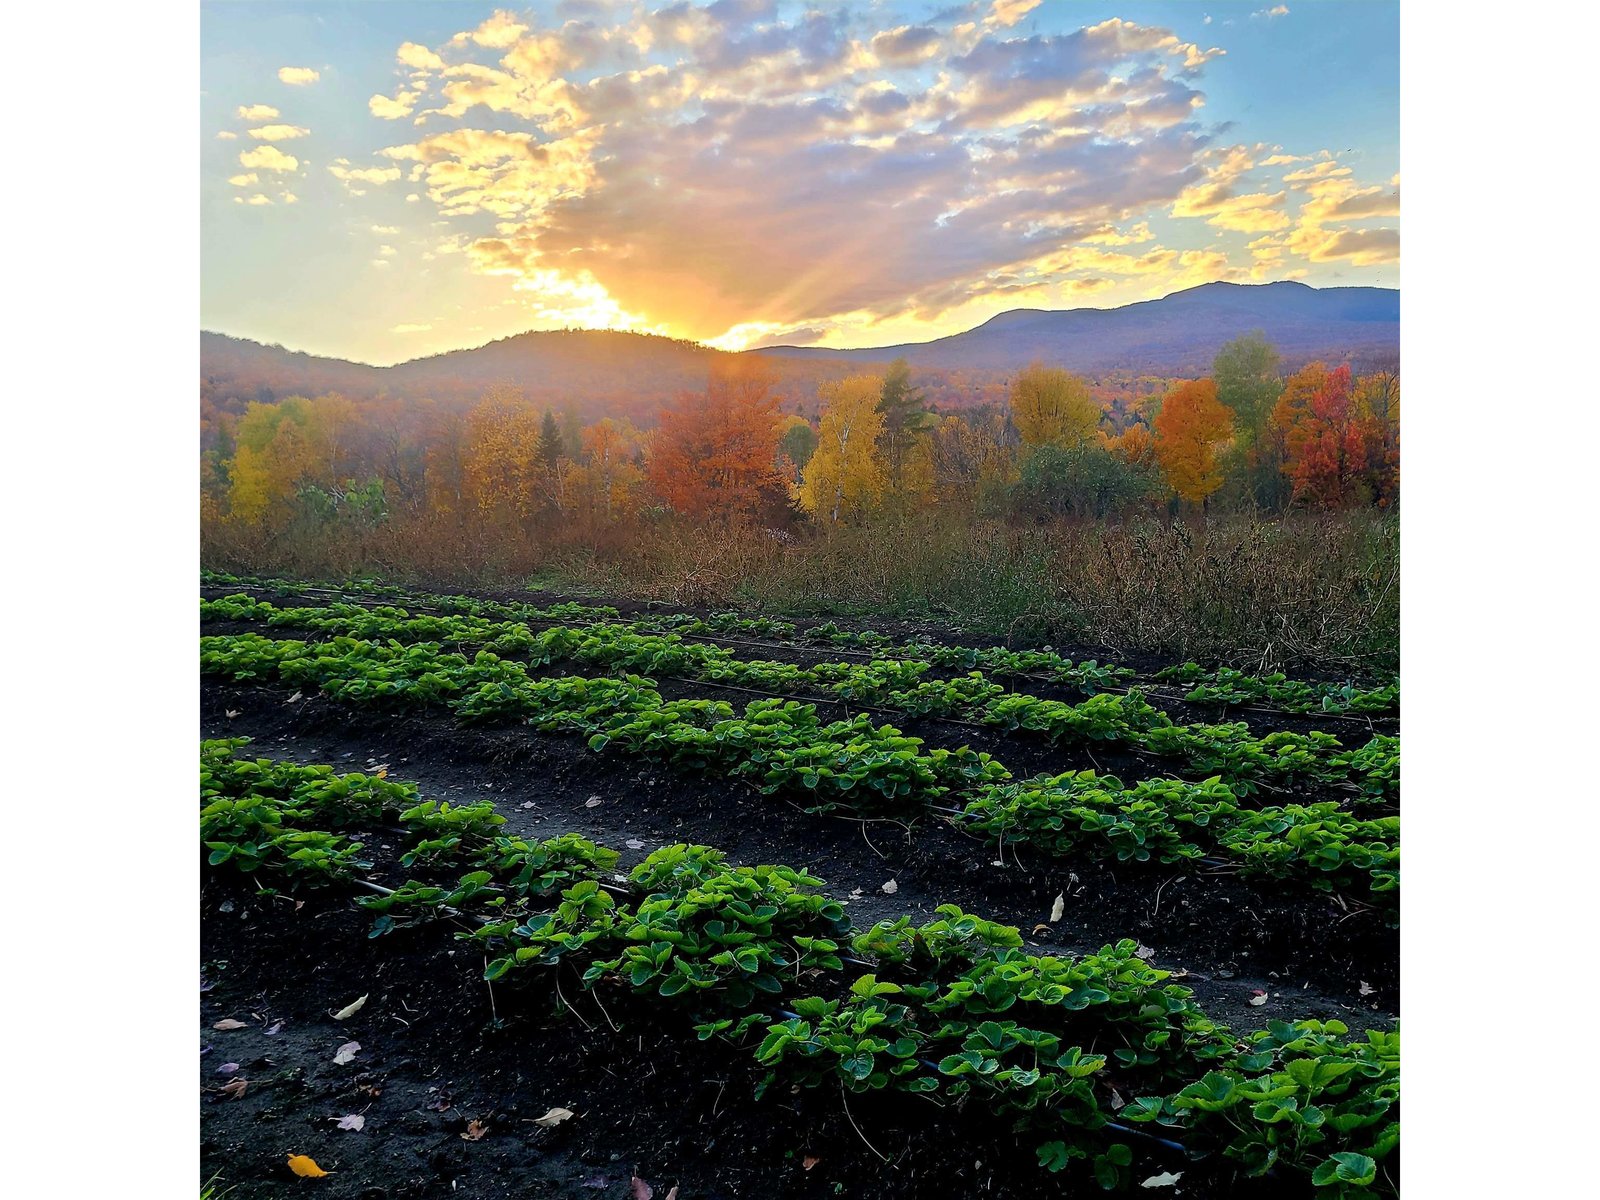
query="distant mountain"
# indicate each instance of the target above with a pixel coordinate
(1174, 336)
(599, 373)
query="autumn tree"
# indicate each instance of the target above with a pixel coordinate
(716, 454)
(1376, 404)
(969, 456)
(845, 476)
(276, 453)
(1326, 442)
(1053, 408)
(606, 485)
(500, 465)
(1191, 430)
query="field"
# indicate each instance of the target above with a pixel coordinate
(519, 895)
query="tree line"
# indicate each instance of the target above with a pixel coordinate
(1246, 436)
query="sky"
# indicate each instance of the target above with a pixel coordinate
(385, 180)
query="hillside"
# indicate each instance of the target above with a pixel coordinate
(599, 373)
(1175, 336)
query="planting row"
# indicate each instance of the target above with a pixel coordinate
(1228, 750)
(1223, 687)
(871, 769)
(1082, 1052)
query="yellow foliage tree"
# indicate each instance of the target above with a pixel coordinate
(844, 476)
(500, 469)
(1053, 408)
(607, 484)
(276, 453)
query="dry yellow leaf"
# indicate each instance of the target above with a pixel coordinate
(305, 1166)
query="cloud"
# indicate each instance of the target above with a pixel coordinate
(278, 133)
(227, 135)
(256, 112)
(499, 31)
(1005, 13)
(299, 76)
(748, 171)
(1111, 236)
(341, 170)
(1359, 247)
(255, 201)
(386, 251)
(418, 58)
(268, 158)
(410, 328)
(1279, 10)
(384, 230)
(906, 45)
(245, 179)
(392, 110)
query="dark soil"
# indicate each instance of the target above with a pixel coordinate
(439, 1049)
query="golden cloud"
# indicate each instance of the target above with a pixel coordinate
(418, 58)
(341, 170)
(256, 112)
(268, 158)
(299, 76)
(392, 110)
(278, 133)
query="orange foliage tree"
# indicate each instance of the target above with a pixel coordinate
(1190, 430)
(717, 454)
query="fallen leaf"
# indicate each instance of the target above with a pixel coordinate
(353, 1121)
(234, 1088)
(1144, 952)
(228, 1023)
(1366, 988)
(346, 1053)
(305, 1166)
(274, 1029)
(809, 1161)
(552, 1118)
(855, 893)
(1258, 999)
(1040, 928)
(1165, 1179)
(1059, 907)
(597, 1183)
(227, 1068)
(890, 888)
(474, 1131)
(526, 804)
(592, 802)
(641, 1190)
(232, 713)
(292, 698)
(349, 1010)
(634, 844)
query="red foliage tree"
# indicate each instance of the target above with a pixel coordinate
(716, 454)
(1326, 443)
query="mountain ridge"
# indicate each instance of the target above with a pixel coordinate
(614, 372)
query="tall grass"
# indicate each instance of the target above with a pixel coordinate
(1310, 591)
